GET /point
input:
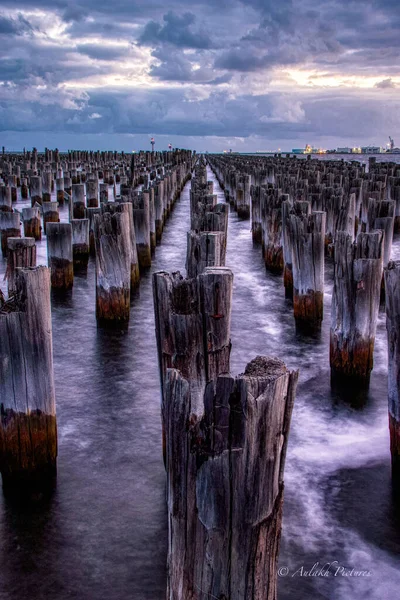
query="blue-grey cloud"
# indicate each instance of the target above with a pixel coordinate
(176, 30)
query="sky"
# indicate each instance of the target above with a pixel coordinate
(211, 75)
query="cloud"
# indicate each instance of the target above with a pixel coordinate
(177, 31)
(14, 26)
(101, 51)
(385, 84)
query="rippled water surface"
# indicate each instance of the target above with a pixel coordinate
(103, 535)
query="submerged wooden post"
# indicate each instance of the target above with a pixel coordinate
(204, 249)
(135, 272)
(59, 255)
(9, 227)
(193, 319)
(78, 201)
(141, 219)
(92, 193)
(32, 226)
(35, 183)
(5, 198)
(307, 241)
(392, 288)
(225, 461)
(50, 213)
(28, 429)
(21, 253)
(47, 178)
(355, 305)
(80, 243)
(60, 190)
(113, 268)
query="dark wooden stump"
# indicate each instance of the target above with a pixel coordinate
(113, 268)
(80, 243)
(21, 253)
(28, 428)
(59, 255)
(225, 463)
(9, 227)
(32, 226)
(355, 305)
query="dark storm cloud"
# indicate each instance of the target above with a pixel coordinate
(101, 52)
(14, 26)
(176, 30)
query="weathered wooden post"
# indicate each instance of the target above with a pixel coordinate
(9, 227)
(91, 212)
(92, 193)
(103, 192)
(141, 219)
(381, 216)
(35, 183)
(47, 179)
(80, 243)
(271, 207)
(392, 289)
(204, 249)
(50, 213)
(159, 208)
(21, 253)
(355, 305)
(59, 255)
(113, 268)
(28, 428)
(32, 226)
(78, 201)
(60, 190)
(5, 198)
(135, 271)
(256, 225)
(307, 241)
(24, 188)
(225, 459)
(193, 319)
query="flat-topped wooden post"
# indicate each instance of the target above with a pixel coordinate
(225, 459)
(204, 249)
(59, 255)
(92, 193)
(113, 268)
(5, 198)
(135, 271)
(141, 219)
(32, 223)
(80, 243)
(307, 242)
(35, 184)
(21, 253)
(355, 305)
(47, 179)
(193, 319)
(60, 190)
(78, 201)
(50, 213)
(9, 227)
(28, 428)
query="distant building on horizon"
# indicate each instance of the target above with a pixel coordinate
(371, 149)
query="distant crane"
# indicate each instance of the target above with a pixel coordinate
(152, 142)
(169, 146)
(391, 143)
